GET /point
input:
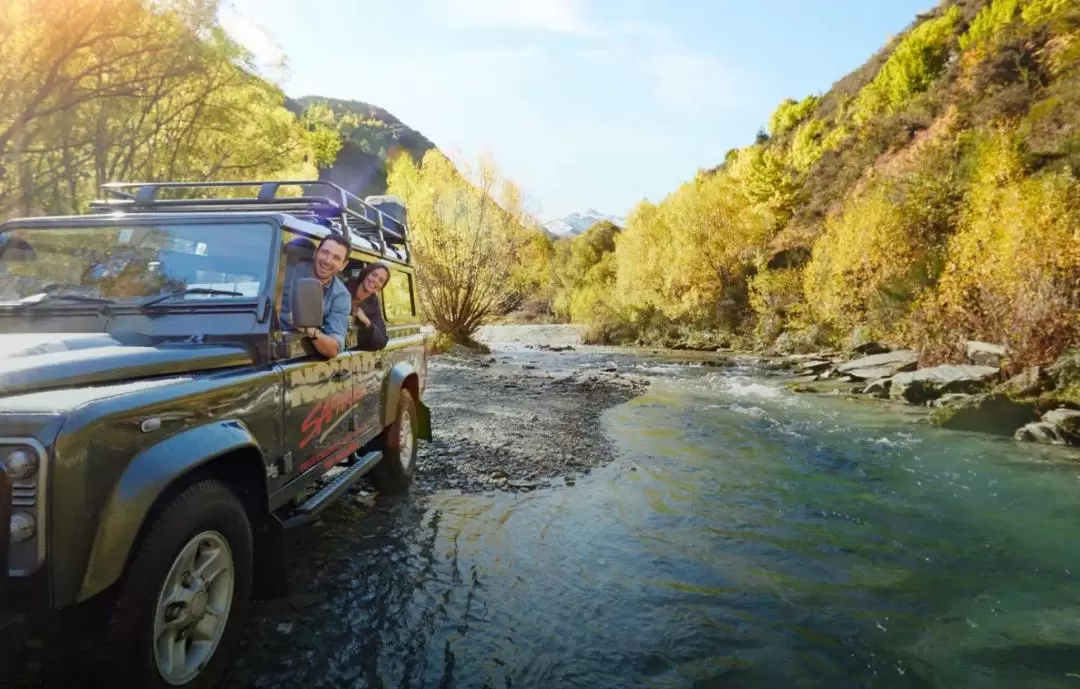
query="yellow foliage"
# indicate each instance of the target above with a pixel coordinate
(1013, 267)
(912, 67)
(687, 257)
(885, 245)
(465, 240)
(1037, 11)
(777, 299)
(989, 21)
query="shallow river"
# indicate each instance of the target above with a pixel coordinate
(743, 537)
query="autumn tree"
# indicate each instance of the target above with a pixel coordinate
(465, 239)
(93, 91)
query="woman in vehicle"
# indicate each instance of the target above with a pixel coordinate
(366, 306)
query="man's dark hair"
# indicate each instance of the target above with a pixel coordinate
(336, 238)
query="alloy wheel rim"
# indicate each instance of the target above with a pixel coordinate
(193, 608)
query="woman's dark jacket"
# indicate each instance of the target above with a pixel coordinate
(372, 337)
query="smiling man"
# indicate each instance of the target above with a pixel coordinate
(330, 259)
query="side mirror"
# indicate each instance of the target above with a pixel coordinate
(307, 310)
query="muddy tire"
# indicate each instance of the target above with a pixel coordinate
(183, 602)
(394, 472)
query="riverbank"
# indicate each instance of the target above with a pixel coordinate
(515, 427)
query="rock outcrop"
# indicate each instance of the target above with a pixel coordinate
(927, 384)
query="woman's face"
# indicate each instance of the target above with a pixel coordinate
(374, 281)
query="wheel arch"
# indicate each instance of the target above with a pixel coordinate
(224, 450)
(403, 375)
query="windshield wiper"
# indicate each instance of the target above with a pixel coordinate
(190, 290)
(35, 300)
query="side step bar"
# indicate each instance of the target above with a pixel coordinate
(329, 493)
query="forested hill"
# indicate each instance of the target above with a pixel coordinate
(931, 196)
(369, 136)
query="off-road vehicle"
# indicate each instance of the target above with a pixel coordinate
(159, 428)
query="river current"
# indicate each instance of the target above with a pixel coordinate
(744, 536)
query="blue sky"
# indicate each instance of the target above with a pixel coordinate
(584, 103)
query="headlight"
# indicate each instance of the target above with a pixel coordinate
(22, 527)
(21, 463)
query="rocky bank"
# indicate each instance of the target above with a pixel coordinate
(1037, 405)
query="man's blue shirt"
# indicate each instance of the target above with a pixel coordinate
(336, 302)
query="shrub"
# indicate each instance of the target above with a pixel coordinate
(990, 21)
(790, 113)
(1013, 267)
(776, 297)
(885, 246)
(912, 67)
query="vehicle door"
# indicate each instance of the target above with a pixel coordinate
(319, 399)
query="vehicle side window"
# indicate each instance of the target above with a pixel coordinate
(398, 302)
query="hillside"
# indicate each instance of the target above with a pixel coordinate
(370, 137)
(929, 197)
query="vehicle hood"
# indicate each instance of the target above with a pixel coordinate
(32, 363)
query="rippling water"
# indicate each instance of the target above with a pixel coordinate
(744, 537)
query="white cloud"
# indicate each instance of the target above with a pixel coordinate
(557, 16)
(268, 55)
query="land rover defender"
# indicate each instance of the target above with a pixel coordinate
(159, 429)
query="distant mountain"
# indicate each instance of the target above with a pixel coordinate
(576, 223)
(371, 136)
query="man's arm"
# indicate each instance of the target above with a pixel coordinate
(331, 340)
(324, 344)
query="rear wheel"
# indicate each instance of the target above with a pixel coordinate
(394, 472)
(183, 603)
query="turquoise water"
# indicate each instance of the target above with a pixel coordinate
(744, 536)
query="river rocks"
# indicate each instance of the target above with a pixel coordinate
(870, 349)
(994, 413)
(878, 388)
(985, 353)
(1028, 383)
(1056, 427)
(880, 365)
(927, 384)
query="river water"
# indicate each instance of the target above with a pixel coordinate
(744, 536)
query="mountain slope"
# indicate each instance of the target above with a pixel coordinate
(370, 137)
(929, 197)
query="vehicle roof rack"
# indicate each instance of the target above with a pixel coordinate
(320, 201)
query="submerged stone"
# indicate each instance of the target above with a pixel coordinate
(996, 413)
(1056, 427)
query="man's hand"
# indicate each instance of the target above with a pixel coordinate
(324, 344)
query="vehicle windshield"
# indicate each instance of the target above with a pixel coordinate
(133, 263)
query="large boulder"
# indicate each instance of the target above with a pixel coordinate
(985, 353)
(880, 365)
(996, 413)
(927, 384)
(1056, 427)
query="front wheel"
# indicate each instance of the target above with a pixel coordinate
(181, 610)
(394, 472)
